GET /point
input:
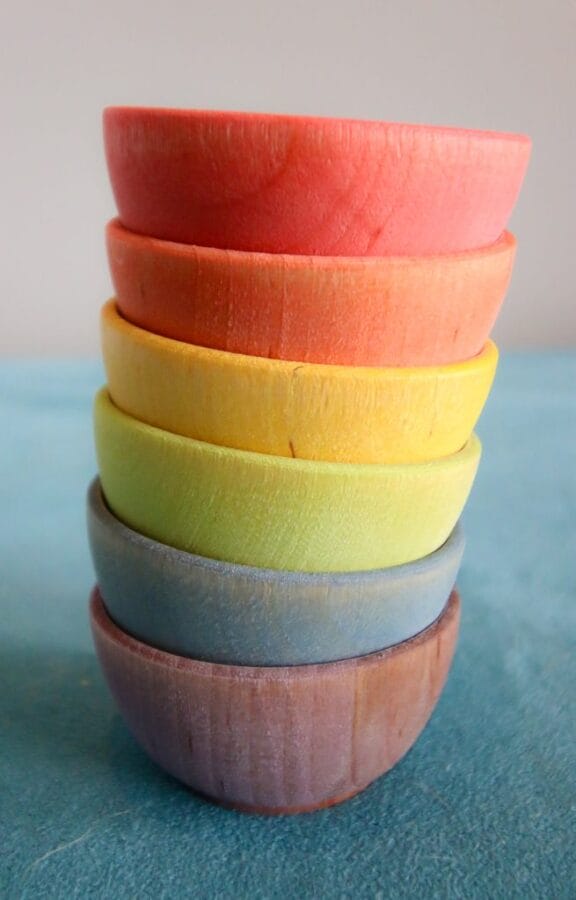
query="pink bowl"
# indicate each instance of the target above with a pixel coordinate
(302, 185)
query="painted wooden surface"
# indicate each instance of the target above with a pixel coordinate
(277, 739)
(273, 511)
(336, 413)
(226, 613)
(307, 185)
(351, 311)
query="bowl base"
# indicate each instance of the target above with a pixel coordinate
(283, 810)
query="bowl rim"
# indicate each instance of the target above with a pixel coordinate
(118, 232)
(112, 318)
(309, 121)
(107, 629)
(99, 509)
(105, 410)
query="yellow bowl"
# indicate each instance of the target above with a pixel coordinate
(275, 512)
(309, 411)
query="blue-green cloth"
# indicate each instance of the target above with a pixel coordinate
(484, 806)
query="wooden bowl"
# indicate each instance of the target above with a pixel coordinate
(226, 613)
(348, 311)
(335, 413)
(277, 740)
(289, 184)
(271, 511)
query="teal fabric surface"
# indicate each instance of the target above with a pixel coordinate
(484, 806)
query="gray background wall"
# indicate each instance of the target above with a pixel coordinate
(503, 64)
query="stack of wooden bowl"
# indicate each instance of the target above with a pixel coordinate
(297, 354)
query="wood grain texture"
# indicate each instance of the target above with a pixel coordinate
(335, 413)
(350, 311)
(277, 740)
(288, 184)
(225, 613)
(275, 512)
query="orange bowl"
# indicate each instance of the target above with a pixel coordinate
(349, 311)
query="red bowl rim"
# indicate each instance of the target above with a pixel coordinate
(308, 121)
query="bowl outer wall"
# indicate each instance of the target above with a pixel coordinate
(225, 613)
(277, 739)
(275, 512)
(351, 311)
(286, 184)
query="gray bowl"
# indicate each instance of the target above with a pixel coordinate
(223, 612)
